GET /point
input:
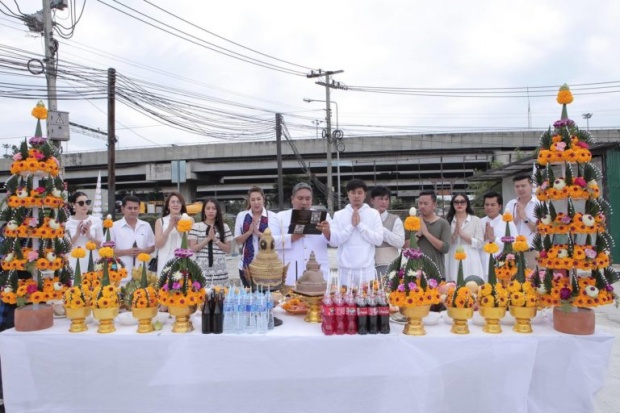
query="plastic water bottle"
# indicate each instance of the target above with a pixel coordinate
(249, 315)
(229, 311)
(262, 319)
(240, 311)
(269, 304)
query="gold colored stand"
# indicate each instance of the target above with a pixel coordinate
(492, 316)
(78, 318)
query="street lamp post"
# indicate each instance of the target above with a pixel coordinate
(316, 123)
(587, 117)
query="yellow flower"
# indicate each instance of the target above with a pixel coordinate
(412, 223)
(106, 252)
(144, 257)
(507, 217)
(108, 223)
(90, 245)
(39, 111)
(184, 224)
(460, 253)
(520, 244)
(491, 248)
(78, 252)
(564, 95)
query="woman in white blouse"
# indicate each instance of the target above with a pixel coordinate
(466, 232)
(82, 227)
(167, 238)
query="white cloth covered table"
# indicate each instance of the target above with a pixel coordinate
(296, 369)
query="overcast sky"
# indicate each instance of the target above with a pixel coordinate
(450, 45)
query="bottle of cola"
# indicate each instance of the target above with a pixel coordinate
(207, 325)
(362, 315)
(384, 313)
(328, 312)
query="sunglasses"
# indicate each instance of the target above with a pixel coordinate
(459, 202)
(81, 203)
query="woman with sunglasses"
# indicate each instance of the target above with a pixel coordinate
(82, 227)
(466, 232)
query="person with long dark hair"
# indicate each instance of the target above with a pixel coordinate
(82, 227)
(211, 240)
(167, 238)
(466, 232)
(249, 227)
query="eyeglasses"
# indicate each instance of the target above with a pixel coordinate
(459, 202)
(81, 203)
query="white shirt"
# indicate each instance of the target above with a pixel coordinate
(96, 232)
(499, 231)
(124, 236)
(271, 217)
(356, 245)
(298, 252)
(522, 227)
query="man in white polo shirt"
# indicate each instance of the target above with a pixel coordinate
(131, 236)
(493, 224)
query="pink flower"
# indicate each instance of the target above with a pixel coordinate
(560, 146)
(33, 222)
(32, 288)
(38, 155)
(32, 256)
(412, 286)
(17, 157)
(580, 181)
(432, 283)
(590, 253)
(176, 285)
(557, 276)
(196, 285)
(510, 257)
(565, 219)
(401, 287)
(543, 254)
(165, 287)
(582, 145)
(40, 190)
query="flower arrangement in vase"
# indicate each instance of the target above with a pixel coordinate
(144, 299)
(34, 248)
(105, 298)
(492, 296)
(573, 242)
(412, 281)
(460, 299)
(77, 297)
(181, 284)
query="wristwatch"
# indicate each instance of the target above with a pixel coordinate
(526, 221)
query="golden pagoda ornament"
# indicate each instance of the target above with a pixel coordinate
(266, 269)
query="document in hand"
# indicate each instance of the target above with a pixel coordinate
(304, 221)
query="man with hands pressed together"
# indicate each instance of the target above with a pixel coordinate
(522, 210)
(356, 230)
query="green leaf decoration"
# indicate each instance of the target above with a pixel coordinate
(569, 174)
(570, 208)
(540, 210)
(23, 149)
(552, 211)
(584, 136)
(547, 243)
(546, 139)
(539, 177)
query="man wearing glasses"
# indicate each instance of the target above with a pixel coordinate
(296, 248)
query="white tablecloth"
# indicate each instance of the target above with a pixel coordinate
(296, 369)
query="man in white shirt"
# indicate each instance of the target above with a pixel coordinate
(522, 210)
(493, 225)
(393, 229)
(295, 249)
(131, 235)
(356, 231)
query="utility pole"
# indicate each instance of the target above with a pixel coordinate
(279, 160)
(111, 142)
(328, 135)
(51, 47)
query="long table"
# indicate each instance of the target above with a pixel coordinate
(295, 368)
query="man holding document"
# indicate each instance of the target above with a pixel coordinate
(300, 231)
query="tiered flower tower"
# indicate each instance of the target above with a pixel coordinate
(34, 234)
(572, 240)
